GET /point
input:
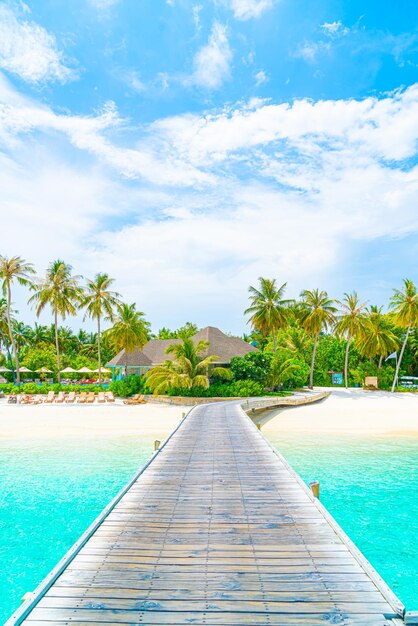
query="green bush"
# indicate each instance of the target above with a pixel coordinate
(235, 389)
(124, 388)
(254, 366)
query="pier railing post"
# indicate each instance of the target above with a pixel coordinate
(314, 486)
(156, 444)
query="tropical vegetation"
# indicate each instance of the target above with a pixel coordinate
(300, 341)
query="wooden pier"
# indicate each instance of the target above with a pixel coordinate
(217, 529)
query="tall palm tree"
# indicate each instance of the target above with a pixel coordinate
(268, 310)
(190, 368)
(129, 331)
(59, 290)
(350, 324)
(99, 300)
(4, 329)
(377, 338)
(404, 303)
(316, 313)
(11, 269)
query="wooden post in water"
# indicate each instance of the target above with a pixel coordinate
(156, 444)
(314, 485)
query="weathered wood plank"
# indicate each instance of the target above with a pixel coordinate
(217, 530)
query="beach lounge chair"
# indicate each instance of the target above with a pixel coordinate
(26, 399)
(71, 397)
(91, 397)
(137, 399)
(37, 399)
(101, 397)
(50, 397)
(109, 396)
(82, 397)
(60, 397)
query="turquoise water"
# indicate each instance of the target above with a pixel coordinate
(371, 489)
(50, 491)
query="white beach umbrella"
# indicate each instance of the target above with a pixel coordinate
(85, 370)
(4, 369)
(103, 370)
(25, 370)
(43, 370)
(68, 370)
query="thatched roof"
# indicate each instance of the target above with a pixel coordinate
(135, 359)
(154, 352)
(223, 346)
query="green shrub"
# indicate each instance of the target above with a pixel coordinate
(254, 366)
(130, 387)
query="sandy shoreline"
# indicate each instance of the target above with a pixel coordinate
(79, 421)
(351, 412)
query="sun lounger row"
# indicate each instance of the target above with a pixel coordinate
(138, 399)
(84, 397)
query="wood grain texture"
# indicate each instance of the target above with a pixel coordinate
(216, 530)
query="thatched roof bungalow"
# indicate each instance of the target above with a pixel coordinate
(154, 352)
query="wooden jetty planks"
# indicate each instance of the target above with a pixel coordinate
(216, 530)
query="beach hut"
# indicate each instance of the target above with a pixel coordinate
(154, 353)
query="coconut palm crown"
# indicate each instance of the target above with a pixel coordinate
(14, 269)
(189, 369)
(60, 291)
(404, 304)
(99, 300)
(268, 310)
(129, 331)
(350, 323)
(316, 313)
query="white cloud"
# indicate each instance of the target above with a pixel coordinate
(261, 78)
(309, 50)
(246, 9)
(213, 200)
(29, 51)
(196, 9)
(212, 62)
(103, 5)
(334, 29)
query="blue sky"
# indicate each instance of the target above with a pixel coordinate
(188, 147)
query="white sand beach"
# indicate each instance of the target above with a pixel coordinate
(351, 411)
(59, 421)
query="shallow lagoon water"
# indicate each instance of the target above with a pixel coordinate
(52, 490)
(370, 486)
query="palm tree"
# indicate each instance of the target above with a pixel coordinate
(404, 303)
(282, 371)
(99, 300)
(317, 313)
(189, 368)
(11, 269)
(129, 331)
(350, 324)
(60, 291)
(268, 311)
(377, 337)
(4, 329)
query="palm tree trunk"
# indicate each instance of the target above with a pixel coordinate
(347, 348)
(380, 362)
(398, 364)
(99, 360)
(274, 341)
(12, 339)
(126, 365)
(57, 347)
(313, 361)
